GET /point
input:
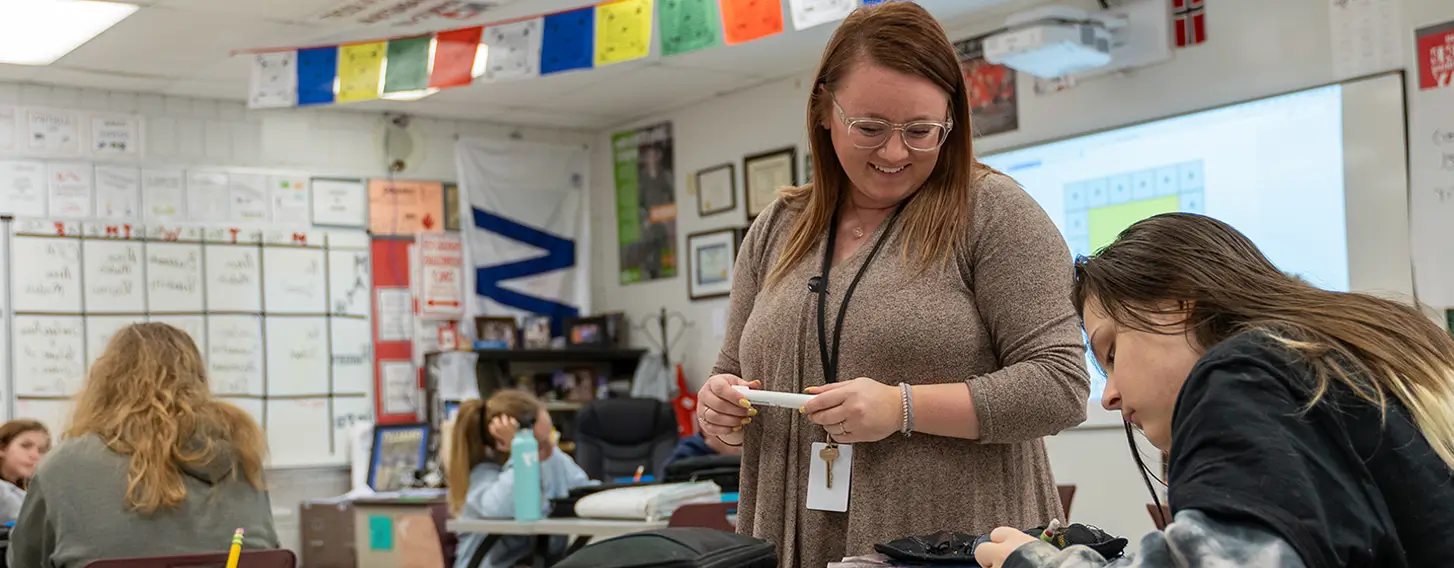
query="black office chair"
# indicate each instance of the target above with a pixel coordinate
(615, 436)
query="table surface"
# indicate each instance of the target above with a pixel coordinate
(578, 527)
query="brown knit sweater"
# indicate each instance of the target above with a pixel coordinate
(1000, 318)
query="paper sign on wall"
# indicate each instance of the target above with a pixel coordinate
(53, 132)
(69, 187)
(118, 192)
(116, 136)
(22, 188)
(1435, 57)
(164, 195)
(441, 276)
(340, 202)
(401, 207)
(290, 199)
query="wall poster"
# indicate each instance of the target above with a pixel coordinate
(994, 105)
(646, 211)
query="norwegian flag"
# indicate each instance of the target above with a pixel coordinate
(1190, 20)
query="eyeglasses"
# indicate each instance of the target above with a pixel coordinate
(872, 133)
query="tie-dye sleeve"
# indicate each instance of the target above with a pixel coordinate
(1192, 540)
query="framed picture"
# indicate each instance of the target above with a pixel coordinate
(536, 334)
(808, 166)
(765, 174)
(397, 456)
(496, 332)
(710, 255)
(716, 190)
(587, 332)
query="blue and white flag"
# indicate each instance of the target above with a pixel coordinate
(525, 231)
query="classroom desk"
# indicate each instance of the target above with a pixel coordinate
(396, 532)
(585, 530)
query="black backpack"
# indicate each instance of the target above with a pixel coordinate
(725, 471)
(681, 547)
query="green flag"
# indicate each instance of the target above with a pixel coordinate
(688, 25)
(408, 64)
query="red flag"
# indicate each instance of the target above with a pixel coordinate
(454, 57)
(685, 405)
(1190, 20)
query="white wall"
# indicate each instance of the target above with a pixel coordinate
(1255, 48)
(186, 131)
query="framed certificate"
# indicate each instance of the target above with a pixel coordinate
(765, 174)
(716, 190)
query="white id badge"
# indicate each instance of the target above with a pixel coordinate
(821, 497)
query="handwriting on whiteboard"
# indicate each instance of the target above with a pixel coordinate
(117, 270)
(169, 273)
(58, 279)
(235, 353)
(49, 358)
(239, 271)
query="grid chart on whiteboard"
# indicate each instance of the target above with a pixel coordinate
(281, 317)
(1098, 209)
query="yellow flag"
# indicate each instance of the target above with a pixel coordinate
(623, 31)
(360, 67)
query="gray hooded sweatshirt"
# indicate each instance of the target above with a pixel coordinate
(75, 511)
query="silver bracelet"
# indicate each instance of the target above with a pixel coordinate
(907, 427)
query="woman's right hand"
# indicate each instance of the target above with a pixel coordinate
(724, 411)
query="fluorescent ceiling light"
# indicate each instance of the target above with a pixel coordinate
(408, 95)
(38, 32)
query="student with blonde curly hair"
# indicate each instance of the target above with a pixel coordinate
(151, 465)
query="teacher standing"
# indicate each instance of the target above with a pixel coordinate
(923, 296)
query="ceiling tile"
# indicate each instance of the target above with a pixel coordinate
(192, 40)
(646, 91)
(530, 91)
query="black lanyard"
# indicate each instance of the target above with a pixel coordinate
(830, 360)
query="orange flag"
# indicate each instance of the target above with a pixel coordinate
(454, 58)
(747, 20)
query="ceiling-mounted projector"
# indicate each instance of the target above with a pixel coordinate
(1053, 41)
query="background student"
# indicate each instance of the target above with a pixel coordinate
(22, 444)
(481, 481)
(151, 465)
(1305, 427)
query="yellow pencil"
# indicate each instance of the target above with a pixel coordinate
(236, 549)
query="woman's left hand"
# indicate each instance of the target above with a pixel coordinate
(1003, 542)
(860, 410)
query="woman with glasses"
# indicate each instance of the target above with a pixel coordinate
(921, 296)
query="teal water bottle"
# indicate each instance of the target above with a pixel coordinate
(525, 460)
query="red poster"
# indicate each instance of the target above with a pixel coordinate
(1436, 55)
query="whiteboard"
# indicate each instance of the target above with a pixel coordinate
(195, 326)
(235, 354)
(99, 330)
(234, 277)
(174, 277)
(115, 280)
(295, 282)
(50, 355)
(51, 282)
(282, 340)
(298, 356)
(299, 431)
(54, 413)
(353, 358)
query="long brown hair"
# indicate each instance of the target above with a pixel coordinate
(472, 443)
(12, 430)
(148, 397)
(1215, 278)
(902, 36)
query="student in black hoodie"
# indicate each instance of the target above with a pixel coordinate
(1305, 427)
(151, 465)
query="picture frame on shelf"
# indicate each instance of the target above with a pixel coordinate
(398, 454)
(591, 331)
(766, 173)
(716, 190)
(535, 332)
(710, 256)
(496, 332)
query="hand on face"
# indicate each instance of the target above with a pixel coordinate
(860, 410)
(1003, 542)
(723, 412)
